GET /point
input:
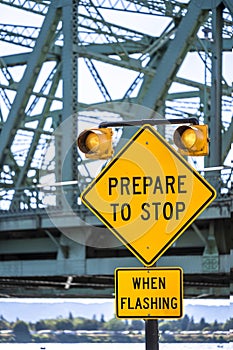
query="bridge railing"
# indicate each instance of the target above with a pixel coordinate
(66, 197)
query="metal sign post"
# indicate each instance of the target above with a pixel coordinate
(151, 335)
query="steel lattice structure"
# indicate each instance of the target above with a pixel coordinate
(86, 56)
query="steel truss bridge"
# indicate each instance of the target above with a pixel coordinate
(66, 64)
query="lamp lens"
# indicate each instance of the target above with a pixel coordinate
(188, 138)
(92, 141)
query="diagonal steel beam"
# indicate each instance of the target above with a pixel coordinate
(154, 91)
(229, 5)
(39, 130)
(35, 62)
(34, 6)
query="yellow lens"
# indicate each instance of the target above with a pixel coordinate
(188, 138)
(92, 141)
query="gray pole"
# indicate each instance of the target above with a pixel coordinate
(215, 157)
(152, 335)
(216, 89)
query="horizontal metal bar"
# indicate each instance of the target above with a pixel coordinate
(191, 120)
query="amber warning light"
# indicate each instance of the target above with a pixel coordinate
(192, 140)
(96, 143)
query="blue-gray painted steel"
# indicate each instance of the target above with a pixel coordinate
(26, 227)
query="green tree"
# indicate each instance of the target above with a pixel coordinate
(164, 326)
(4, 324)
(45, 324)
(78, 322)
(39, 325)
(202, 323)
(184, 323)
(137, 325)
(228, 324)
(63, 323)
(86, 324)
(192, 325)
(21, 332)
(102, 320)
(215, 326)
(175, 325)
(114, 325)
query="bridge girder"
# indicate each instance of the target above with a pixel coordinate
(41, 91)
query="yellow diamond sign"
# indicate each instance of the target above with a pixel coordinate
(148, 195)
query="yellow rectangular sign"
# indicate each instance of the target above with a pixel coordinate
(149, 293)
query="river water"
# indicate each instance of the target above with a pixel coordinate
(115, 346)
